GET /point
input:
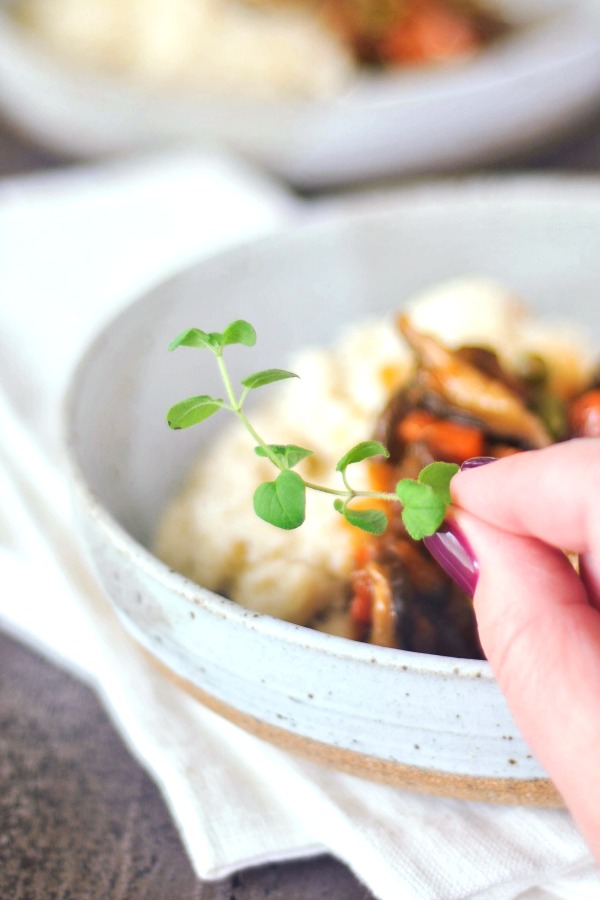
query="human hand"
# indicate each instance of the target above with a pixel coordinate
(538, 619)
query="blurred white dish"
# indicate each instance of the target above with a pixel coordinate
(510, 98)
(426, 722)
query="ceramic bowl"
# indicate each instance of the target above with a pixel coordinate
(507, 101)
(422, 722)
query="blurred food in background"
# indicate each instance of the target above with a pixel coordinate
(319, 93)
(293, 47)
(403, 32)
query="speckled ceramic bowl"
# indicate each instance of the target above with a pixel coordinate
(424, 722)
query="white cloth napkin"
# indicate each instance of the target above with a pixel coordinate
(75, 246)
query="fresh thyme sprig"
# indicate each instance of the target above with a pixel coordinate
(282, 502)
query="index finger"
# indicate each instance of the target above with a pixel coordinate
(552, 494)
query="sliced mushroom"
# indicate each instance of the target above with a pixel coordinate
(472, 391)
(383, 623)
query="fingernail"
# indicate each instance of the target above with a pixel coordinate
(476, 461)
(450, 548)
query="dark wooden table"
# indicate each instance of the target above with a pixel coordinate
(79, 817)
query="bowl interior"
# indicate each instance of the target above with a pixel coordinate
(538, 237)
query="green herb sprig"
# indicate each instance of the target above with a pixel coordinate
(282, 502)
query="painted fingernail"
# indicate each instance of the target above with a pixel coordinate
(476, 461)
(450, 548)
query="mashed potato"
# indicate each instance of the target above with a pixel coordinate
(210, 532)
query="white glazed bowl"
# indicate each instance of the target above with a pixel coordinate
(509, 100)
(423, 722)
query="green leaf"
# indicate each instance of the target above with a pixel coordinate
(423, 510)
(361, 451)
(194, 337)
(438, 475)
(282, 502)
(424, 501)
(192, 411)
(239, 332)
(372, 520)
(289, 455)
(267, 376)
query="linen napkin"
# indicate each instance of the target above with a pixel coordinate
(75, 246)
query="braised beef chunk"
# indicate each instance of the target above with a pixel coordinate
(413, 603)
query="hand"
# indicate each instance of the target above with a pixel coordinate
(539, 621)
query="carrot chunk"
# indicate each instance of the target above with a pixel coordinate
(446, 439)
(430, 32)
(584, 415)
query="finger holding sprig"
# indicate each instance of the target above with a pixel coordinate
(538, 620)
(551, 495)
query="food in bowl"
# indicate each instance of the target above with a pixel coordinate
(279, 47)
(465, 371)
(403, 32)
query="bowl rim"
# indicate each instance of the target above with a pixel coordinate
(538, 187)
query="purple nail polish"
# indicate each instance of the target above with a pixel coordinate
(451, 550)
(476, 461)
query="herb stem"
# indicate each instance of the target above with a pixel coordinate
(254, 433)
(350, 493)
(345, 480)
(235, 403)
(236, 407)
